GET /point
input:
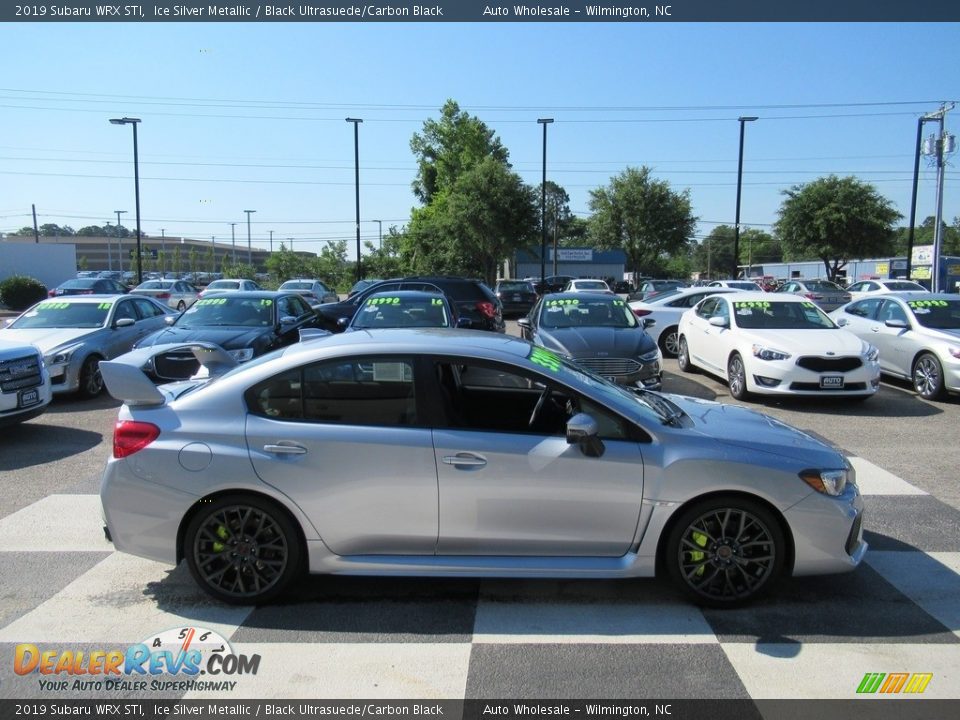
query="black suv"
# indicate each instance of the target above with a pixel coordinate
(473, 300)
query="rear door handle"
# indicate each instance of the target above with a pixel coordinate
(282, 448)
(464, 460)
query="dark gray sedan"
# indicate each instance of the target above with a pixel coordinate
(599, 332)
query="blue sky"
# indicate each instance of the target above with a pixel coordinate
(251, 115)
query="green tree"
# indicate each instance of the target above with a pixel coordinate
(331, 266)
(285, 264)
(923, 235)
(836, 220)
(643, 217)
(448, 147)
(46, 230)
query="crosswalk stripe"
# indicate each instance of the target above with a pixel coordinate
(57, 523)
(930, 579)
(874, 480)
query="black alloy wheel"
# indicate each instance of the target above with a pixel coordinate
(243, 550)
(724, 552)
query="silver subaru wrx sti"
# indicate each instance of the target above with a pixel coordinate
(461, 453)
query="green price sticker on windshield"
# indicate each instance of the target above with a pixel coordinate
(563, 301)
(104, 306)
(266, 303)
(53, 306)
(384, 301)
(757, 304)
(436, 301)
(927, 303)
(211, 301)
(546, 359)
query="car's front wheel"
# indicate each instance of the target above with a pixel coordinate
(724, 552)
(928, 377)
(181, 306)
(90, 379)
(737, 377)
(683, 356)
(243, 550)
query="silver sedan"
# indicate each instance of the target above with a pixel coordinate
(918, 336)
(461, 453)
(666, 308)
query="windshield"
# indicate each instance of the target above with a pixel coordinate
(901, 285)
(396, 311)
(591, 285)
(291, 285)
(60, 314)
(592, 312)
(937, 314)
(779, 315)
(822, 286)
(228, 311)
(515, 287)
(155, 285)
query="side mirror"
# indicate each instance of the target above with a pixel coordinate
(342, 324)
(523, 322)
(124, 322)
(170, 319)
(720, 322)
(287, 320)
(842, 322)
(648, 323)
(464, 322)
(901, 324)
(582, 430)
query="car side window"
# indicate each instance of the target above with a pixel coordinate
(146, 309)
(891, 310)
(356, 391)
(865, 308)
(125, 310)
(707, 307)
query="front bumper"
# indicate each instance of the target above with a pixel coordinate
(784, 377)
(827, 533)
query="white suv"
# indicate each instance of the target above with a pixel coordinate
(24, 383)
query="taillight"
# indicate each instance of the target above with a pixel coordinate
(487, 309)
(812, 296)
(163, 296)
(52, 293)
(640, 313)
(130, 436)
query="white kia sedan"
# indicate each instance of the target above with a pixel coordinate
(776, 345)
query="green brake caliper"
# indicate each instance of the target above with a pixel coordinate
(223, 535)
(696, 555)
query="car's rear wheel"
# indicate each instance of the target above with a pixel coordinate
(737, 378)
(90, 379)
(243, 550)
(723, 552)
(181, 306)
(928, 377)
(669, 342)
(683, 356)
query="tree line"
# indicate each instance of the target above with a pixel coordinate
(475, 212)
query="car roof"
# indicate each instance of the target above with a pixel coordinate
(441, 341)
(580, 296)
(93, 297)
(912, 295)
(255, 294)
(759, 295)
(412, 294)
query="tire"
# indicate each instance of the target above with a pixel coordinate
(737, 378)
(90, 381)
(181, 306)
(683, 356)
(242, 549)
(669, 342)
(928, 377)
(743, 551)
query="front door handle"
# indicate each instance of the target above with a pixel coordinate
(464, 460)
(285, 448)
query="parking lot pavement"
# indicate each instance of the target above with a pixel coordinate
(66, 588)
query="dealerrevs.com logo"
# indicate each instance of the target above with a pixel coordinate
(893, 683)
(171, 661)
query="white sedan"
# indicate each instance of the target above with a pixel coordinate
(865, 288)
(666, 308)
(776, 345)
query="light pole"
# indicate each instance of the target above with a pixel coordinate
(109, 249)
(249, 246)
(271, 242)
(136, 185)
(356, 169)
(380, 225)
(120, 240)
(736, 225)
(163, 249)
(233, 243)
(543, 209)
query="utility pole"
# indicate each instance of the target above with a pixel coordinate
(936, 146)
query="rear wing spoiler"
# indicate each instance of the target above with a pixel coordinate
(127, 382)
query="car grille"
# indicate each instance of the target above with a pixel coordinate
(175, 365)
(822, 364)
(610, 367)
(815, 387)
(19, 373)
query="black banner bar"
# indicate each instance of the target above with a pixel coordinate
(474, 11)
(872, 708)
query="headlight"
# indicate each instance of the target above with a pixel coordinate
(650, 356)
(955, 351)
(828, 482)
(60, 355)
(241, 355)
(765, 353)
(871, 353)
